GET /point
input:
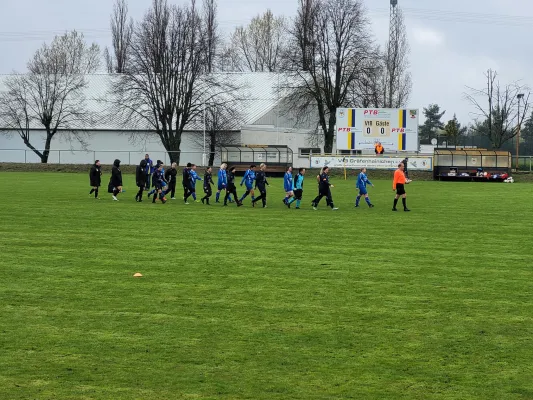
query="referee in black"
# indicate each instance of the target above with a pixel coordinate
(324, 190)
(208, 181)
(261, 183)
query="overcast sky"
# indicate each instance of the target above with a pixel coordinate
(452, 42)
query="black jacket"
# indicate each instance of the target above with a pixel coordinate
(186, 181)
(260, 180)
(170, 175)
(95, 175)
(324, 184)
(231, 180)
(157, 178)
(208, 180)
(140, 174)
(116, 174)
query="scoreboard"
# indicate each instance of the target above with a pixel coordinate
(362, 128)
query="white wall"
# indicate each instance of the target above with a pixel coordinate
(107, 146)
(104, 146)
(267, 135)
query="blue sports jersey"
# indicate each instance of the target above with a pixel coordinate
(287, 182)
(248, 178)
(362, 181)
(194, 177)
(222, 178)
(149, 167)
(299, 182)
(158, 178)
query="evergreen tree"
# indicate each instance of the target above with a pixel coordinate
(526, 137)
(454, 131)
(428, 130)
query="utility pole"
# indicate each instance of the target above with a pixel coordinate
(392, 54)
(519, 97)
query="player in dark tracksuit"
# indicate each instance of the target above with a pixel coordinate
(261, 183)
(405, 162)
(140, 179)
(115, 183)
(186, 182)
(324, 190)
(95, 177)
(208, 181)
(158, 181)
(170, 177)
(148, 171)
(232, 189)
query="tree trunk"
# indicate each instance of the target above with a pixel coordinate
(26, 140)
(46, 152)
(212, 148)
(171, 140)
(330, 133)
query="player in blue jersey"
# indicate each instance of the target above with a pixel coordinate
(248, 179)
(298, 188)
(362, 181)
(158, 179)
(288, 186)
(222, 182)
(194, 177)
(158, 164)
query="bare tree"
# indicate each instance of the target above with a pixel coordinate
(165, 87)
(222, 126)
(260, 45)
(226, 59)
(51, 94)
(211, 30)
(504, 111)
(121, 33)
(397, 84)
(304, 30)
(325, 65)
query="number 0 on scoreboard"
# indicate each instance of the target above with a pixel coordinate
(376, 128)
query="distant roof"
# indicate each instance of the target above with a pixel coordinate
(259, 92)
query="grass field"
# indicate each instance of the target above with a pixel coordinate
(265, 303)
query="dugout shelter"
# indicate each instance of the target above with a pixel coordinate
(277, 158)
(479, 165)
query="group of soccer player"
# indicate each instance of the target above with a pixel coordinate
(159, 183)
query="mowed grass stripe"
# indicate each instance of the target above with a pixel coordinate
(265, 304)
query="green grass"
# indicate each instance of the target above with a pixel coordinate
(265, 303)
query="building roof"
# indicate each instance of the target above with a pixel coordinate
(257, 94)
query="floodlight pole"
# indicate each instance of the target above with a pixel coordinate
(519, 96)
(203, 155)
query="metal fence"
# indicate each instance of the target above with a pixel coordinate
(27, 156)
(525, 163)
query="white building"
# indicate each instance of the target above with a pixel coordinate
(267, 121)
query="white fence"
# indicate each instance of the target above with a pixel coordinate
(416, 161)
(105, 156)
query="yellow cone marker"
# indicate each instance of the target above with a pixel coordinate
(137, 275)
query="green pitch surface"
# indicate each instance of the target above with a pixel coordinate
(265, 303)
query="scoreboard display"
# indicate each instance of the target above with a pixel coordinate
(362, 128)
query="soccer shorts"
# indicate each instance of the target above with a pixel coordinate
(221, 187)
(362, 191)
(249, 187)
(298, 193)
(400, 189)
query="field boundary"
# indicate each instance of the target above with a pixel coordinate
(130, 169)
